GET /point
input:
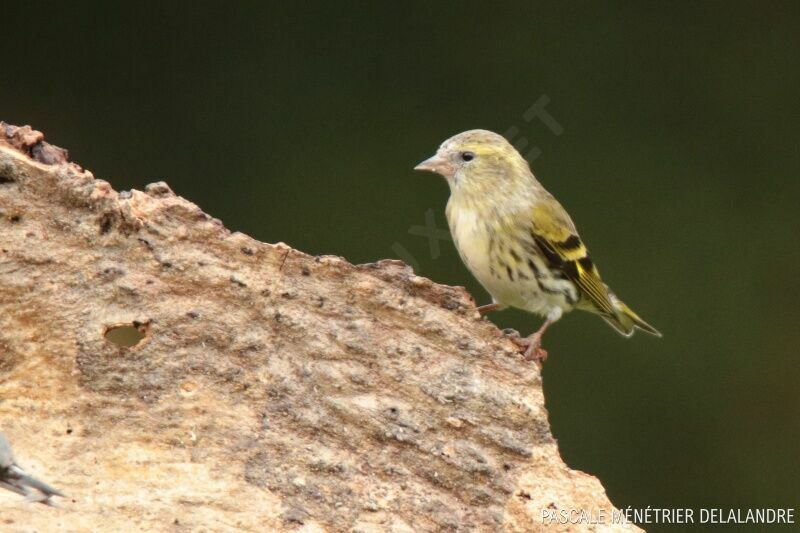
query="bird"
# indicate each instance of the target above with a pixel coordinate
(13, 478)
(517, 239)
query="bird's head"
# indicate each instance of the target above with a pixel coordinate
(477, 161)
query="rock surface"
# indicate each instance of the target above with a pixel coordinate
(170, 375)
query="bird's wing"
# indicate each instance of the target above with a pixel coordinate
(13, 478)
(14, 488)
(555, 234)
(42, 487)
(6, 455)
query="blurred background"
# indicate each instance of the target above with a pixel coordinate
(672, 139)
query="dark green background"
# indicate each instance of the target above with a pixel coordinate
(679, 161)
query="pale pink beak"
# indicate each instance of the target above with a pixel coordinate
(436, 164)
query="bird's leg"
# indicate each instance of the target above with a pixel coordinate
(533, 343)
(488, 308)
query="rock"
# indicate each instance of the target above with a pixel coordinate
(167, 373)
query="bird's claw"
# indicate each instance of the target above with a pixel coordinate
(488, 308)
(532, 346)
(536, 354)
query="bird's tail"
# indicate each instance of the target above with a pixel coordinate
(625, 321)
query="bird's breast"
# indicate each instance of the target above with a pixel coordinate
(502, 261)
(478, 239)
(471, 236)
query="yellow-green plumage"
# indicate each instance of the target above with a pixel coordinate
(516, 239)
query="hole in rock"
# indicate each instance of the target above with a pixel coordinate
(127, 335)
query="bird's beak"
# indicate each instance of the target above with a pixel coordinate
(436, 164)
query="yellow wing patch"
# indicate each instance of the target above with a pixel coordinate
(555, 234)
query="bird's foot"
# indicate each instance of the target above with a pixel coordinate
(488, 308)
(532, 345)
(534, 352)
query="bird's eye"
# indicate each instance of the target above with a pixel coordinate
(467, 156)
